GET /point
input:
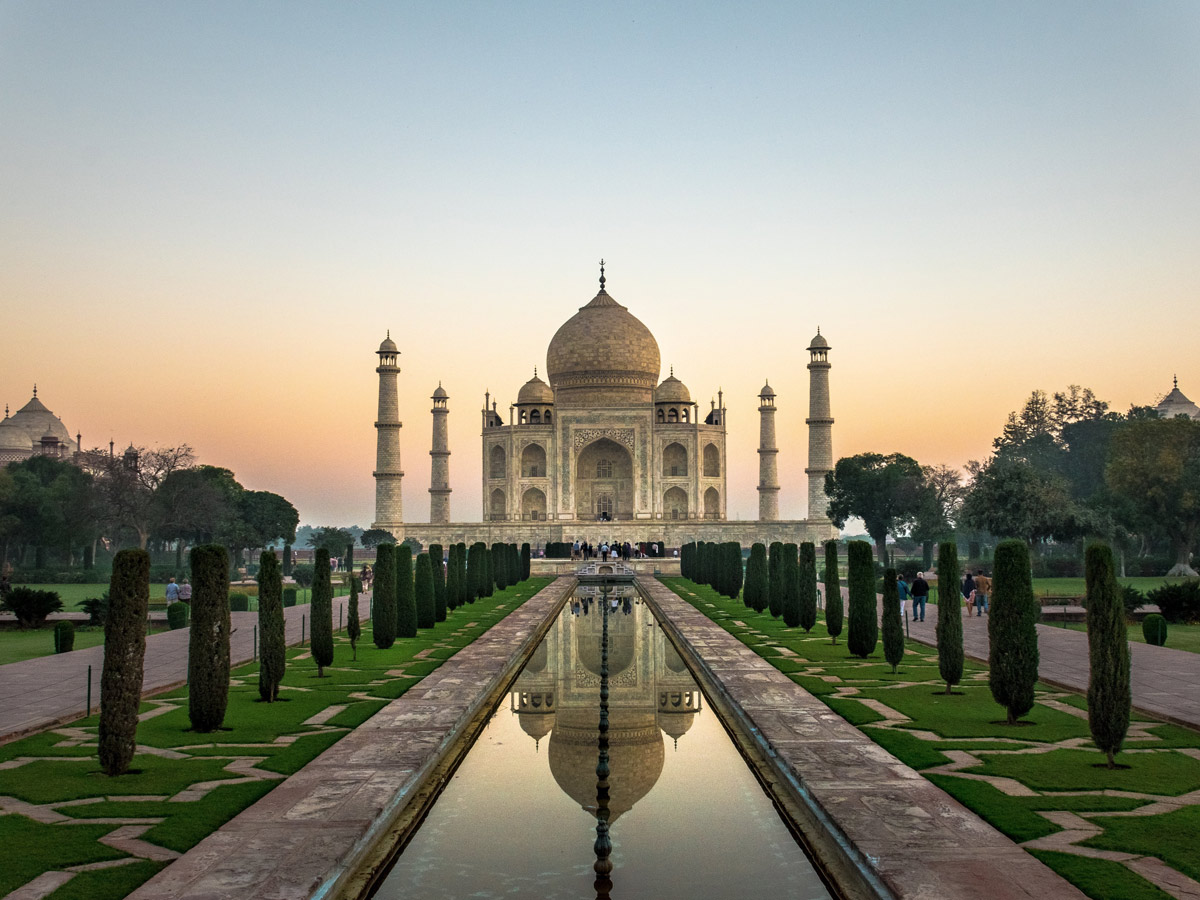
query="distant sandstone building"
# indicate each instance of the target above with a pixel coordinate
(603, 449)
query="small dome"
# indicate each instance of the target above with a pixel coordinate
(36, 420)
(440, 393)
(767, 390)
(535, 391)
(1177, 404)
(672, 390)
(388, 345)
(819, 342)
(14, 437)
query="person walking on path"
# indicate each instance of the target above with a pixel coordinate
(983, 587)
(172, 592)
(185, 592)
(902, 589)
(920, 593)
(968, 591)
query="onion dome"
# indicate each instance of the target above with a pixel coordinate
(603, 356)
(535, 391)
(440, 393)
(672, 390)
(769, 391)
(819, 342)
(388, 345)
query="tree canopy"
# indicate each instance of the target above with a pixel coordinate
(886, 492)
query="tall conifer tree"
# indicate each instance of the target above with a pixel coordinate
(755, 593)
(1012, 630)
(790, 573)
(1109, 692)
(949, 630)
(438, 568)
(321, 611)
(208, 644)
(383, 614)
(124, 655)
(406, 598)
(863, 633)
(775, 586)
(893, 629)
(272, 656)
(426, 606)
(833, 592)
(808, 586)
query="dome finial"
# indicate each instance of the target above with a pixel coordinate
(35, 390)
(535, 371)
(602, 273)
(1176, 384)
(672, 371)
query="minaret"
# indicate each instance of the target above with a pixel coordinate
(820, 428)
(768, 470)
(389, 504)
(439, 472)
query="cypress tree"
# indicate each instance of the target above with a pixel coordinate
(1012, 630)
(833, 591)
(949, 630)
(685, 560)
(438, 568)
(863, 632)
(353, 626)
(1109, 693)
(893, 629)
(349, 567)
(453, 589)
(426, 605)
(808, 586)
(272, 656)
(775, 589)
(406, 597)
(383, 621)
(755, 593)
(287, 560)
(489, 577)
(500, 565)
(208, 647)
(474, 572)
(526, 556)
(789, 573)
(124, 655)
(321, 611)
(465, 594)
(737, 574)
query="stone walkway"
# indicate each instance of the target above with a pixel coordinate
(50, 690)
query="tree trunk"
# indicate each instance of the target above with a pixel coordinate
(1183, 552)
(881, 549)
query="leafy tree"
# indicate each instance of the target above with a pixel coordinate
(199, 503)
(31, 606)
(453, 588)
(1013, 498)
(406, 599)
(1154, 464)
(755, 594)
(51, 504)
(789, 571)
(863, 632)
(124, 655)
(266, 518)
(775, 586)
(373, 537)
(438, 570)
(941, 504)
(383, 615)
(833, 592)
(893, 628)
(273, 644)
(208, 647)
(426, 612)
(808, 586)
(353, 625)
(125, 488)
(949, 617)
(1012, 630)
(886, 492)
(331, 539)
(1109, 692)
(322, 613)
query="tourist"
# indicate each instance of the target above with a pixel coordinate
(968, 591)
(902, 590)
(172, 592)
(983, 587)
(185, 592)
(920, 593)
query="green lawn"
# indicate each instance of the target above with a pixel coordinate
(72, 595)
(16, 645)
(1052, 756)
(1179, 637)
(251, 728)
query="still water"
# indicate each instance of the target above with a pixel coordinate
(687, 818)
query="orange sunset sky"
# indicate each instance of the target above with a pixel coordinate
(210, 214)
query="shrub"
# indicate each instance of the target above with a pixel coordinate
(949, 617)
(272, 656)
(32, 606)
(1012, 630)
(1109, 693)
(426, 612)
(755, 594)
(384, 613)
(289, 596)
(775, 588)
(1178, 603)
(124, 655)
(302, 573)
(208, 646)
(833, 592)
(789, 571)
(64, 637)
(1132, 599)
(1154, 629)
(863, 632)
(177, 616)
(97, 609)
(322, 612)
(808, 586)
(437, 569)
(406, 598)
(239, 602)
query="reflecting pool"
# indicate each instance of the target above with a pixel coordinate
(686, 816)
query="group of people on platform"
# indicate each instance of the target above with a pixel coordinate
(613, 550)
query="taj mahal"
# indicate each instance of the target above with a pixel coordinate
(603, 446)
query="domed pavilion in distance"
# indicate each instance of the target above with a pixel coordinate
(602, 449)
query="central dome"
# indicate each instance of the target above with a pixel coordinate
(603, 356)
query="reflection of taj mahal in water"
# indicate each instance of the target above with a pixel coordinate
(604, 447)
(653, 699)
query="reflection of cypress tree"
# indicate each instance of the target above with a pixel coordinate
(208, 646)
(272, 657)
(438, 569)
(789, 572)
(453, 588)
(526, 556)
(893, 628)
(321, 611)
(406, 598)
(384, 587)
(426, 612)
(808, 586)
(755, 594)
(775, 589)
(860, 579)
(949, 628)
(1012, 630)
(833, 592)
(124, 653)
(353, 625)
(1109, 693)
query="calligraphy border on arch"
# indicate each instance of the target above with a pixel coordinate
(584, 436)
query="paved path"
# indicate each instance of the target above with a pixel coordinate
(50, 690)
(1166, 682)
